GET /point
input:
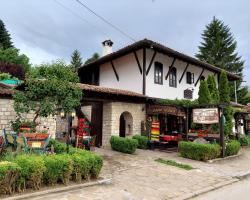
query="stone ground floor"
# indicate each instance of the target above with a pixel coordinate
(139, 177)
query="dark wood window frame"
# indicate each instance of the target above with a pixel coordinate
(190, 77)
(158, 73)
(173, 77)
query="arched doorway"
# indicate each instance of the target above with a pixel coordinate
(126, 124)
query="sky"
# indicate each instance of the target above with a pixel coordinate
(52, 29)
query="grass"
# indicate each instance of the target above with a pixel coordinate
(174, 163)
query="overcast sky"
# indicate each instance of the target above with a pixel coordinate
(46, 31)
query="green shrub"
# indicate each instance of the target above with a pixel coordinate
(32, 169)
(59, 147)
(142, 141)
(244, 140)
(96, 165)
(125, 145)
(232, 148)
(197, 151)
(58, 168)
(9, 173)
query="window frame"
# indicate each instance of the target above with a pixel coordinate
(191, 80)
(158, 73)
(173, 77)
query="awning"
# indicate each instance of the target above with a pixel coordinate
(166, 109)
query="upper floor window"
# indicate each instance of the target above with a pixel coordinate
(172, 77)
(158, 73)
(190, 77)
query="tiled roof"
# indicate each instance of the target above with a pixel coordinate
(107, 90)
(145, 43)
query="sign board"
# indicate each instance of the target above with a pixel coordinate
(206, 116)
(164, 109)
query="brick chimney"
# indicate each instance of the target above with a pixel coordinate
(107, 47)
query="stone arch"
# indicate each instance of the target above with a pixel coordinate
(126, 124)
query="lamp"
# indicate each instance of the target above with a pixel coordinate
(73, 114)
(62, 114)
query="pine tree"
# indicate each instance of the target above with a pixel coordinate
(204, 94)
(76, 60)
(94, 57)
(219, 48)
(5, 39)
(213, 89)
(224, 88)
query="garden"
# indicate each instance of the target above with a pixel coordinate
(29, 158)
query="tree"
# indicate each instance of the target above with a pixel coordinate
(49, 87)
(13, 56)
(5, 39)
(219, 48)
(76, 60)
(224, 91)
(224, 88)
(204, 94)
(213, 89)
(94, 57)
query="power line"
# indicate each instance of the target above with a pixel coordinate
(80, 17)
(106, 21)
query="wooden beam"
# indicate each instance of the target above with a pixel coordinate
(183, 72)
(151, 62)
(144, 71)
(199, 77)
(171, 66)
(116, 75)
(138, 62)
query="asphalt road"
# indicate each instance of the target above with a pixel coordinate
(237, 191)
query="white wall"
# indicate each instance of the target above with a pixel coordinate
(131, 79)
(128, 72)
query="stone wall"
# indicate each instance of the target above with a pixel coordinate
(111, 118)
(7, 114)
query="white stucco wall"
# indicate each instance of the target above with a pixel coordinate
(131, 79)
(128, 72)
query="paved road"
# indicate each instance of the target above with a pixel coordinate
(237, 191)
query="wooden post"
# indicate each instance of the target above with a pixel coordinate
(222, 141)
(187, 124)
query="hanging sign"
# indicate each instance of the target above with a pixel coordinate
(206, 116)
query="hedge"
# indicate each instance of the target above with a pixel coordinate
(58, 168)
(197, 151)
(244, 140)
(142, 141)
(32, 169)
(232, 148)
(58, 146)
(125, 145)
(9, 173)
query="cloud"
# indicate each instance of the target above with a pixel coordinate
(45, 31)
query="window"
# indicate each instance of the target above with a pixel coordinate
(172, 77)
(190, 77)
(158, 72)
(188, 94)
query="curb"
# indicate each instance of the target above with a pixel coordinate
(242, 177)
(58, 190)
(206, 190)
(225, 158)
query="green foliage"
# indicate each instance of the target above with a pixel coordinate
(58, 168)
(76, 60)
(219, 48)
(224, 89)
(9, 173)
(125, 145)
(244, 140)
(13, 56)
(94, 57)
(97, 162)
(213, 89)
(18, 123)
(197, 151)
(179, 102)
(232, 148)
(58, 146)
(5, 39)
(5, 76)
(32, 169)
(204, 94)
(142, 141)
(49, 87)
(174, 163)
(229, 114)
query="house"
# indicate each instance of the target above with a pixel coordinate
(121, 87)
